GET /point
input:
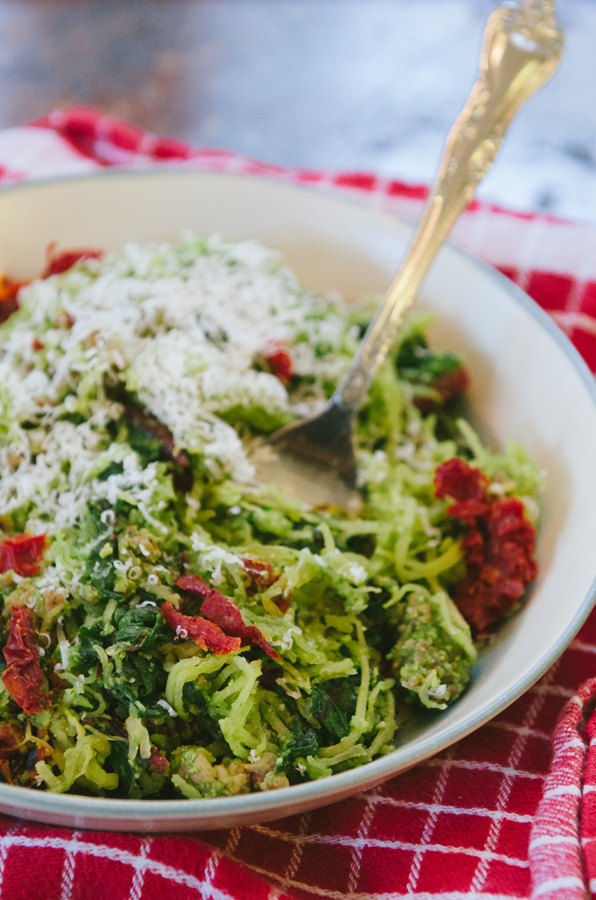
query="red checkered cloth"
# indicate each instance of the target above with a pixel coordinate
(479, 819)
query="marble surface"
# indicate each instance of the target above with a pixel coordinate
(341, 84)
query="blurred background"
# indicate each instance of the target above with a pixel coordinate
(366, 85)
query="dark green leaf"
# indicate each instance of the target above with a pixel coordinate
(193, 699)
(88, 636)
(149, 448)
(301, 743)
(124, 769)
(114, 468)
(144, 684)
(101, 570)
(333, 704)
(143, 626)
(417, 363)
(91, 527)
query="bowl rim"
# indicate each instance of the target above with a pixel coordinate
(328, 789)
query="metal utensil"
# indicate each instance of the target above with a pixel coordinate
(314, 459)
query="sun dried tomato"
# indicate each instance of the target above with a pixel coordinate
(452, 384)
(7, 308)
(448, 385)
(204, 633)
(22, 553)
(10, 739)
(280, 362)
(261, 574)
(8, 296)
(498, 545)
(157, 762)
(56, 263)
(23, 676)
(262, 577)
(282, 603)
(225, 613)
(467, 485)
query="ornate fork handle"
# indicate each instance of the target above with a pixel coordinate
(521, 49)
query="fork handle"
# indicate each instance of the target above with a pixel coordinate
(521, 49)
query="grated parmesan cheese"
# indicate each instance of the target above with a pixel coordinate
(180, 328)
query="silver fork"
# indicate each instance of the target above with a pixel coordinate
(315, 458)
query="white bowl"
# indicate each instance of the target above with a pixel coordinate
(528, 383)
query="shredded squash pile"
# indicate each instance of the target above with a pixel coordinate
(172, 628)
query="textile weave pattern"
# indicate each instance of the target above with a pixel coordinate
(457, 825)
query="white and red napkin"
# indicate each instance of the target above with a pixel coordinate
(490, 817)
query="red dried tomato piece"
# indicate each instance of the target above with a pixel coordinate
(10, 738)
(468, 486)
(280, 361)
(263, 577)
(223, 612)
(499, 574)
(282, 603)
(157, 762)
(22, 553)
(261, 573)
(56, 263)
(449, 385)
(498, 546)
(23, 677)
(8, 306)
(206, 634)
(8, 296)
(452, 384)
